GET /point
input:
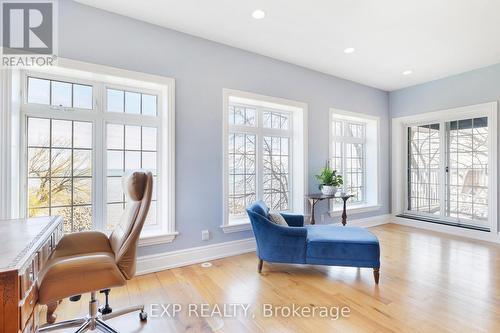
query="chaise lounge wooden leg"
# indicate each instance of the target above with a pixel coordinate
(259, 269)
(51, 316)
(376, 274)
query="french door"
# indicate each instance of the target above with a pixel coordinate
(448, 171)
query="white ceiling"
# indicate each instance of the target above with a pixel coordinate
(434, 38)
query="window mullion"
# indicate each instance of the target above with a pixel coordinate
(98, 172)
(444, 179)
(259, 163)
(343, 166)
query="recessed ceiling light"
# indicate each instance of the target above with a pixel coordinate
(349, 50)
(408, 72)
(258, 14)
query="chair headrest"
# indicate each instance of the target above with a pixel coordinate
(260, 208)
(134, 185)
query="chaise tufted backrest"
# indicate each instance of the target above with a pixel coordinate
(260, 208)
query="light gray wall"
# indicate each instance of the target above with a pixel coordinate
(202, 69)
(474, 87)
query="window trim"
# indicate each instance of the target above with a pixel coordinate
(365, 206)
(399, 153)
(298, 141)
(99, 77)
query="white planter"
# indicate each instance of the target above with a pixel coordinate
(329, 190)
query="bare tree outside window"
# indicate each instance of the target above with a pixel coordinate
(276, 172)
(244, 145)
(60, 171)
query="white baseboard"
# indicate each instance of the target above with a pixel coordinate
(195, 255)
(368, 222)
(456, 231)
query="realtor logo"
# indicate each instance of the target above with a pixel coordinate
(27, 27)
(28, 33)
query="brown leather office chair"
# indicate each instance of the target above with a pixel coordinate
(91, 261)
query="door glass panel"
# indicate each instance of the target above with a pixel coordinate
(467, 176)
(423, 173)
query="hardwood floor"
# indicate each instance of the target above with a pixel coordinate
(429, 282)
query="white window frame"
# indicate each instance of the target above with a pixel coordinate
(400, 153)
(297, 133)
(371, 174)
(100, 78)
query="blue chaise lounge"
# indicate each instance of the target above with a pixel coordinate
(312, 244)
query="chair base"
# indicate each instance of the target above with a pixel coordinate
(94, 320)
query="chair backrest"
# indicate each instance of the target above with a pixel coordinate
(138, 188)
(260, 208)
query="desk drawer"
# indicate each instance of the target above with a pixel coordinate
(28, 305)
(28, 276)
(49, 247)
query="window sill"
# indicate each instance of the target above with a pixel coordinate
(355, 209)
(240, 225)
(154, 238)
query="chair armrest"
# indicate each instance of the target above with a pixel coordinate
(276, 243)
(275, 230)
(293, 220)
(82, 243)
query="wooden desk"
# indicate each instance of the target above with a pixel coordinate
(25, 246)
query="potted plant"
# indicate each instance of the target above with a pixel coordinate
(329, 181)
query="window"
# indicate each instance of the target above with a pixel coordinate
(255, 129)
(354, 154)
(348, 156)
(264, 145)
(81, 137)
(129, 147)
(131, 102)
(60, 171)
(59, 94)
(446, 171)
(242, 171)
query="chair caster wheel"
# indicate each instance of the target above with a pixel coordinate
(143, 315)
(105, 309)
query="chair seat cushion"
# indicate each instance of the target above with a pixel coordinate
(78, 274)
(342, 246)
